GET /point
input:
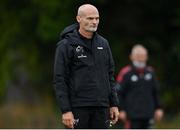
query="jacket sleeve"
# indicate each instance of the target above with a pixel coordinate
(156, 93)
(113, 95)
(121, 89)
(61, 74)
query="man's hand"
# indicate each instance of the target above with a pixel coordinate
(114, 113)
(122, 116)
(68, 119)
(158, 114)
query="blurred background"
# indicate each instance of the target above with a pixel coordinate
(29, 31)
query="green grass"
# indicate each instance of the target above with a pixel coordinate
(170, 122)
(46, 116)
(29, 116)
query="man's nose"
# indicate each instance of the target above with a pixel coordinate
(94, 20)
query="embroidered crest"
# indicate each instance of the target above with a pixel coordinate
(79, 49)
(148, 76)
(134, 78)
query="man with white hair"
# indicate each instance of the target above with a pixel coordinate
(138, 92)
(83, 74)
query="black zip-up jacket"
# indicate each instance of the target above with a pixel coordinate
(138, 92)
(83, 76)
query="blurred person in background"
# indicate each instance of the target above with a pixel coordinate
(84, 74)
(138, 92)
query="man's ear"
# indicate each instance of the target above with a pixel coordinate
(78, 19)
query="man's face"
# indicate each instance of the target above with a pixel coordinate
(139, 58)
(89, 21)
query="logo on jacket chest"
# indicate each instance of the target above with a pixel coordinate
(80, 51)
(146, 77)
(134, 78)
(100, 48)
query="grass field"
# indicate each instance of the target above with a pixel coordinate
(29, 116)
(46, 116)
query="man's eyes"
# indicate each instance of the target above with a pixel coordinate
(93, 18)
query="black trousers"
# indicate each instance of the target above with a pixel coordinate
(91, 117)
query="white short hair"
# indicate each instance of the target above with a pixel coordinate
(136, 47)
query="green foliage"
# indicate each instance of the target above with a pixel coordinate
(28, 29)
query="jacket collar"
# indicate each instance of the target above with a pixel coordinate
(77, 39)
